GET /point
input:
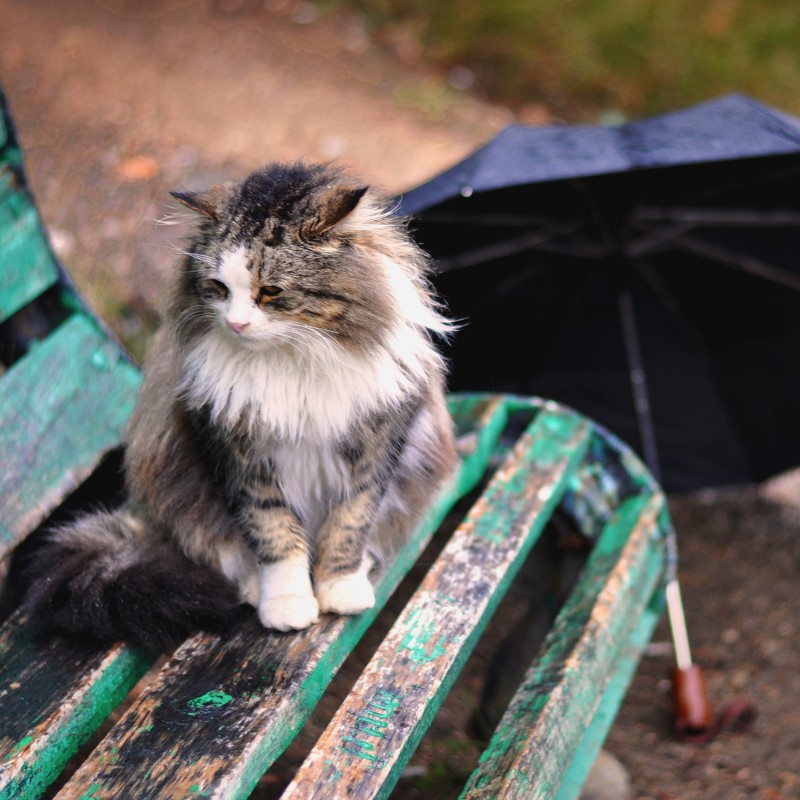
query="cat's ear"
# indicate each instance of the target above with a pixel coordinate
(209, 202)
(335, 203)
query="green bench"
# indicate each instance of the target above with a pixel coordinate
(219, 710)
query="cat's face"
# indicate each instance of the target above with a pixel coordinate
(274, 261)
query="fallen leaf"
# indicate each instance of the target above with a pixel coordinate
(137, 169)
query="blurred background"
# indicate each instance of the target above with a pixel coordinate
(592, 60)
(118, 101)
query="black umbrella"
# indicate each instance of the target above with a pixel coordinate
(645, 274)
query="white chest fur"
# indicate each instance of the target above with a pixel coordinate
(290, 393)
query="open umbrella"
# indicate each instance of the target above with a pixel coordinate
(647, 275)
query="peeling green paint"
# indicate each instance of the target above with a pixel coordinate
(417, 640)
(91, 794)
(372, 721)
(537, 718)
(20, 745)
(44, 397)
(66, 734)
(423, 643)
(214, 699)
(444, 599)
(27, 267)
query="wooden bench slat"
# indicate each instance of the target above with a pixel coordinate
(62, 407)
(222, 709)
(53, 695)
(27, 266)
(538, 735)
(613, 692)
(378, 726)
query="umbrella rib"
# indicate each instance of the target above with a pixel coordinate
(688, 330)
(530, 241)
(581, 249)
(718, 216)
(499, 220)
(652, 239)
(729, 258)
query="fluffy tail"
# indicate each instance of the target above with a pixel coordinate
(100, 579)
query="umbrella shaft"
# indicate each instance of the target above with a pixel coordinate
(677, 622)
(641, 400)
(638, 379)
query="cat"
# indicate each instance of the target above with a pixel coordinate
(290, 431)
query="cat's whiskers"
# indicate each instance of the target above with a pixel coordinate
(206, 259)
(203, 257)
(315, 337)
(308, 341)
(191, 316)
(175, 216)
(311, 332)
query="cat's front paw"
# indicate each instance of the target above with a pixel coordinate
(350, 594)
(289, 612)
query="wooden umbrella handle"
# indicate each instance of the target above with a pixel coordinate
(692, 710)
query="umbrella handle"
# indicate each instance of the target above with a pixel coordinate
(692, 711)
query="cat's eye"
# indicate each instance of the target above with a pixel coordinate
(266, 293)
(218, 288)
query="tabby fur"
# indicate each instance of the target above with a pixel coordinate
(291, 428)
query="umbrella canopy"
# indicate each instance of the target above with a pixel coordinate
(647, 274)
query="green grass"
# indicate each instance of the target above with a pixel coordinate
(583, 57)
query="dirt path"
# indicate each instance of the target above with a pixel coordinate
(117, 102)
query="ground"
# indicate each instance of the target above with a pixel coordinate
(117, 102)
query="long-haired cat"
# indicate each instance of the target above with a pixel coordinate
(290, 431)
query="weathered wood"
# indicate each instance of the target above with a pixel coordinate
(538, 736)
(612, 693)
(376, 729)
(61, 408)
(222, 709)
(27, 266)
(53, 695)
(479, 420)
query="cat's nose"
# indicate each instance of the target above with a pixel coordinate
(236, 327)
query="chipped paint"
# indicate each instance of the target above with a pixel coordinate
(593, 627)
(414, 658)
(417, 640)
(20, 745)
(372, 721)
(213, 699)
(91, 794)
(71, 698)
(283, 677)
(278, 683)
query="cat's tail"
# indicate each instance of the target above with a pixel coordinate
(102, 578)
